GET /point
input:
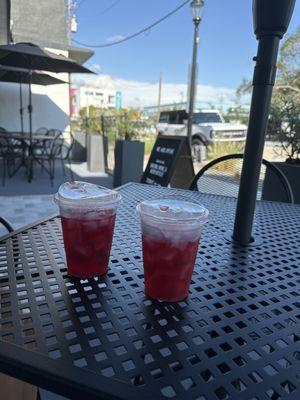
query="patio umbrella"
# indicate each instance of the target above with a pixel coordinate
(32, 57)
(18, 75)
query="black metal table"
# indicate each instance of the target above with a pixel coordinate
(27, 144)
(237, 336)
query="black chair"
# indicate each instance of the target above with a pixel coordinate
(53, 132)
(61, 151)
(42, 131)
(222, 177)
(6, 224)
(57, 149)
(4, 156)
(9, 153)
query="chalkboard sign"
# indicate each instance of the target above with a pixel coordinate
(170, 162)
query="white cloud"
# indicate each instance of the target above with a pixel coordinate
(140, 94)
(115, 38)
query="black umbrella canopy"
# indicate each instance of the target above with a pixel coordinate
(32, 57)
(18, 75)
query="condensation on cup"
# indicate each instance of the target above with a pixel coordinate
(171, 230)
(88, 215)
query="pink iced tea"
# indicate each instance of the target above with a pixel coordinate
(171, 230)
(168, 268)
(88, 243)
(88, 215)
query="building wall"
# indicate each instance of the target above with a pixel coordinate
(42, 22)
(50, 105)
(4, 21)
(39, 21)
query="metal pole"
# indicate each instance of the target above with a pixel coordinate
(30, 105)
(193, 82)
(263, 82)
(21, 109)
(159, 97)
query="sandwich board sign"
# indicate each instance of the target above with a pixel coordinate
(170, 163)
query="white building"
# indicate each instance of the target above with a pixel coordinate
(86, 96)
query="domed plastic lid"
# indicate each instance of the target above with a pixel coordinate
(77, 193)
(172, 211)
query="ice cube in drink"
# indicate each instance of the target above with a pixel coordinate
(88, 243)
(171, 231)
(88, 215)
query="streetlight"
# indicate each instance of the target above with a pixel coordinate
(197, 12)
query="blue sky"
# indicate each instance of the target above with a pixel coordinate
(227, 43)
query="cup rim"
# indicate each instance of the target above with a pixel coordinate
(111, 201)
(160, 219)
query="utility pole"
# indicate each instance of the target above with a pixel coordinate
(69, 41)
(193, 82)
(69, 22)
(159, 96)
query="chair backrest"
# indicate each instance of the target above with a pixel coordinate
(6, 224)
(62, 145)
(222, 177)
(5, 147)
(42, 131)
(53, 132)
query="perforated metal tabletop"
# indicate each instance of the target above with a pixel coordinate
(237, 336)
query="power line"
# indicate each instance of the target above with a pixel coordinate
(102, 12)
(137, 33)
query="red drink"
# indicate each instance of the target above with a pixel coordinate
(88, 214)
(171, 230)
(88, 243)
(168, 268)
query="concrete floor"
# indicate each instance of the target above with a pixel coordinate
(23, 203)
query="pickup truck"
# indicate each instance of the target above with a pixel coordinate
(208, 127)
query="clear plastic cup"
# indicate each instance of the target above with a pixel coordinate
(88, 215)
(171, 230)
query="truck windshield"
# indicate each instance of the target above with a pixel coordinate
(206, 117)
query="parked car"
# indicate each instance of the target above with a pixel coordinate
(209, 126)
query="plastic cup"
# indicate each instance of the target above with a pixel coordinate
(88, 215)
(171, 230)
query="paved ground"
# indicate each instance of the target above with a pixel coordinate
(23, 203)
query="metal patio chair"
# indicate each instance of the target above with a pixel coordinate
(6, 224)
(57, 149)
(222, 177)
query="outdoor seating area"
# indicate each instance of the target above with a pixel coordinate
(149, 251)
(41, 149)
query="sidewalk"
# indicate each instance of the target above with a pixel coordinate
(23, 203)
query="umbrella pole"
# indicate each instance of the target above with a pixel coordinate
(271, 20)
(258, 120)
(21, 109)
(30, 150)
(30, 106)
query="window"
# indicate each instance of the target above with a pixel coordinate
(164, 117)
(173, 117)
(206, 117)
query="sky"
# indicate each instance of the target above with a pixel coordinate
(226, 48)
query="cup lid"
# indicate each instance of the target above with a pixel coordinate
(83, 193)
(173, 211)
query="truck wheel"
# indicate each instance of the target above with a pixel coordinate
(197, 150)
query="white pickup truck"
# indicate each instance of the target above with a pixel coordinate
(208, 127)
